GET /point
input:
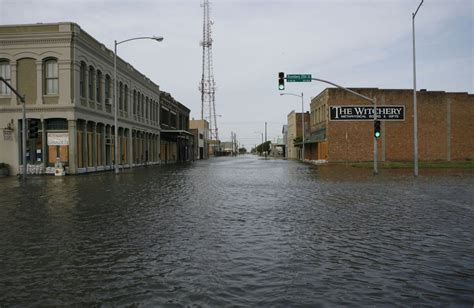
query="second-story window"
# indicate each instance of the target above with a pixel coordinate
(91, 82)
(82, 80)
(98, 87)
(120, 95)
(134, 102)
(5, 73)
(107, 89)
(125, 98)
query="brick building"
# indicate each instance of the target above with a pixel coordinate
(445, 127)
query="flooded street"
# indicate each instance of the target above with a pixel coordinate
(239, 232)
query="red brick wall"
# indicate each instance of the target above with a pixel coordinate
(353, 140)
(462, 127)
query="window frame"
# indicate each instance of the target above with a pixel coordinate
(47, 78)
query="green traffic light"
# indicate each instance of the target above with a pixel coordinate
(281, 87)
(377, 134)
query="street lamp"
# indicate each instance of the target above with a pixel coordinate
(302, 117)
(156, 38)
(415, 116)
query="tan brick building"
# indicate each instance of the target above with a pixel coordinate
(295, 131)
(445, 127)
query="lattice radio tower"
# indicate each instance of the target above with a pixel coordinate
(208, 85)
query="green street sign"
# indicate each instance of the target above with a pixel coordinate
(298, 77)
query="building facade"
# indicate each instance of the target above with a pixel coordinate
(201, 128)
(295, 133)
(176, 141)
(445, 127)
(67, 78)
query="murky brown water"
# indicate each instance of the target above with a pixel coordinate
(239, 232)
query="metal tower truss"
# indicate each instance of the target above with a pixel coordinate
(208, 85)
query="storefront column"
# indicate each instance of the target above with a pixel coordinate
(72, 146)
(85, 152)
(130, 148)
(44, 145)
(104, 146)
(108, 161)
(94, 145)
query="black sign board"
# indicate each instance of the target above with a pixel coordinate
(366, 113)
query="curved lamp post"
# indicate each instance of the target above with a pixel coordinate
(415, 117)
(155, 38)
(302, 117)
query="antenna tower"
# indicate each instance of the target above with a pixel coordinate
(208, 85)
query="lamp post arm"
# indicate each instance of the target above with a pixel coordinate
(21, 97)
(341, 87)
(141, 38)
(414, 14)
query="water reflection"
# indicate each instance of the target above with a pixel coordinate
(239, 231)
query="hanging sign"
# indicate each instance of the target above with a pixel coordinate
(58, 138)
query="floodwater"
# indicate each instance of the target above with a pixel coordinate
(239, 232)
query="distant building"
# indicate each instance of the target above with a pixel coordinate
(176, 141)
(445, 126)
(201, 130)
(295, 132)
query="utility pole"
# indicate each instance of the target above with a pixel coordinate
(23, 124)
(415, 115)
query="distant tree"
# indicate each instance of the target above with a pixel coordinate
(298, 139)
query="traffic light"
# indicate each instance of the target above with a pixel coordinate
(377, 132)
(33, 128)
(281, 81)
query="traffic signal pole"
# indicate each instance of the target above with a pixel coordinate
(376, 171)
(23, 123)
(308, 77)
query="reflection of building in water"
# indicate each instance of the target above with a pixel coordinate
(340, 129)
(66, 76)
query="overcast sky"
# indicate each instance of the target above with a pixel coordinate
(356, 43)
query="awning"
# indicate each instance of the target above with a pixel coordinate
(315, 137)
(174, 134)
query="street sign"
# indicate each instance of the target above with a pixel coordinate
(366, 113)
(298, 77)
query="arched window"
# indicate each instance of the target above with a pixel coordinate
(82, 80)
(147, 109)
(51, 81)
(91, 82)
(125, 98)
(138, 104)
(98, 87)
(120, 96)
(142, 106)
(107, 89)
(5, 73)
(134, 108)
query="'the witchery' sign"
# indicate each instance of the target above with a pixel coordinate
(366, 113)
